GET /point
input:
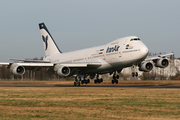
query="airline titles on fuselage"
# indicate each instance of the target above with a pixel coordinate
(109, 50)
(112, 49)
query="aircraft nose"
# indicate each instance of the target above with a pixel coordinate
(144, 51)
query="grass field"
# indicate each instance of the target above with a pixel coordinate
(88, 103)
(105, 82)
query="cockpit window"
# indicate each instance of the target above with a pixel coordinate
(135, 39)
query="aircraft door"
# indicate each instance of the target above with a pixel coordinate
(127, 51)
(112, 53)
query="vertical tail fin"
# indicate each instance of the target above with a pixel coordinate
(50, 46)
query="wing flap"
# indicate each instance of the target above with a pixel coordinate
(34, 61)
(36, 64)
(82, 64)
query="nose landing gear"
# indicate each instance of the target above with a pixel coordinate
(134, 74)
(134, 69)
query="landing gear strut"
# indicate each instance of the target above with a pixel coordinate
(115, 78)
(77, 81)
(97, 80)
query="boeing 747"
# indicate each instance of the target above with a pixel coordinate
(109, 58)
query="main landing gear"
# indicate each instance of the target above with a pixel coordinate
(86, 81)
(97, 80)
(78, 79)
(115, 78)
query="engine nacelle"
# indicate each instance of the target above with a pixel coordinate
(162, 63)
(62, 70)
(146, 66)
(16, 69)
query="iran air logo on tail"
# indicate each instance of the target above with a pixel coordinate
(45, 41)
(112, 49)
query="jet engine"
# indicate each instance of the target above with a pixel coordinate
(62, 70)
(146, 66)
(162, 63)
(16, 69)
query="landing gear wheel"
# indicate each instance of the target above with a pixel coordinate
(78, 83)
(136, 74)
(82, 82)
(115, 78)
(95, 81)
(101, 80)
(77, 79)
(112, 81)
(74, 83)
(133, 74)
(88, 81)
(116, 81)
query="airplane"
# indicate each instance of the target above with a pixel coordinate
(109, 58)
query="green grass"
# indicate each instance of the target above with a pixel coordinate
(88, 103)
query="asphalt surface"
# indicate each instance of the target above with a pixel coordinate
(113, 86)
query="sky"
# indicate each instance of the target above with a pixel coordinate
(79, 24)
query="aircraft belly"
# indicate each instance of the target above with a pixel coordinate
(120, 64)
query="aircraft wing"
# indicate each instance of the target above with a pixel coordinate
(72, 64)
(158, 56)
(4, 63)
(61, 68)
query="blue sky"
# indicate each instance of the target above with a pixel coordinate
(78, 24)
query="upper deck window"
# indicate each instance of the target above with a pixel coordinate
(135, 39)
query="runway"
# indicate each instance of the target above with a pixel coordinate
(112, 86)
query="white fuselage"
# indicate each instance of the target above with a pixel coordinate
(115, 55)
